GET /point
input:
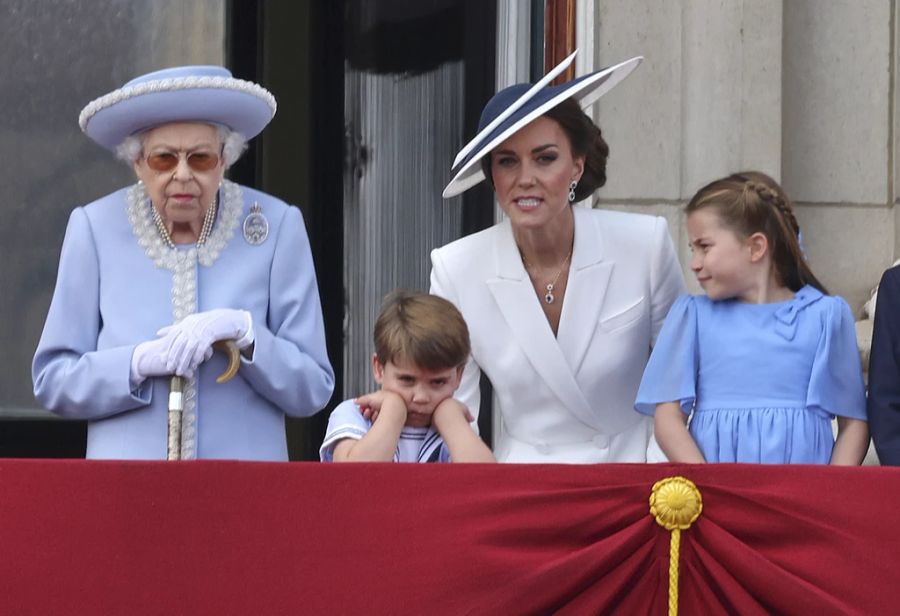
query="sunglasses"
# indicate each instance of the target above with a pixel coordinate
(167, 161)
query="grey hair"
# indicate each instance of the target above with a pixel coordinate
(130, 149)
(233, 145)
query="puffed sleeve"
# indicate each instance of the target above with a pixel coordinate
(836, 383)
(71, 376)
(671, 373)
(666, 278)
(469, 390)
(290, 365)
(884, 371)
(345, 422)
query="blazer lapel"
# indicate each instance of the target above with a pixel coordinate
(585, 291)
(516, 300)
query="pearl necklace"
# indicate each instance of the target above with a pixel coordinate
(548, 296)
(205, 230)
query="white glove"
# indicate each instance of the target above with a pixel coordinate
(149, 359)
(193, 337)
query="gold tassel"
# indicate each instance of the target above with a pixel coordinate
(675, 503)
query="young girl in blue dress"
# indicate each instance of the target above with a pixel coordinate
(764, 361)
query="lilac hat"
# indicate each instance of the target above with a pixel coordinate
(512, 108)
(179, 94)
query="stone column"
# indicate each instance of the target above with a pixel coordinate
(705, 102)
(838, 137)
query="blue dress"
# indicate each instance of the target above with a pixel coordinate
(763, 381)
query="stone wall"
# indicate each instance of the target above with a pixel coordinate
(800, 89)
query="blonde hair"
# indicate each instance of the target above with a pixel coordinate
(423, 329)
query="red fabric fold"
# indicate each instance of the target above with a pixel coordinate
(242, 537)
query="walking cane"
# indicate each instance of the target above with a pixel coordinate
(176, 395)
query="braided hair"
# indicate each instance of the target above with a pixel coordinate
(752, 202)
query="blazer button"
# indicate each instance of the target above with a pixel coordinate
(542, 448)
(601, 441)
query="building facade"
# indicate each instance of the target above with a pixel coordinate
(801, 89)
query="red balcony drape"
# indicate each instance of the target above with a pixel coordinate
(290, 538)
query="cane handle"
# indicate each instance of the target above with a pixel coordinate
(230, 348)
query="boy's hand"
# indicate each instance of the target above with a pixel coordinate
(379, 443)
(451, 419)
(448, 410)
(372, 404)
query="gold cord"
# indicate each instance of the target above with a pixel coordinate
(675, 504)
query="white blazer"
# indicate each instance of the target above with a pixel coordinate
(568, 398)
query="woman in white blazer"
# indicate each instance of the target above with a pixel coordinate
(563, 304)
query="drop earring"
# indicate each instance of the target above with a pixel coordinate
(572, 187)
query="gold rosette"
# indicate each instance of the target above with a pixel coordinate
(675, 504)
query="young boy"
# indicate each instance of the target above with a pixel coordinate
(421, 347)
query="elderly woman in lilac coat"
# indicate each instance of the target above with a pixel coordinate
(153, 275)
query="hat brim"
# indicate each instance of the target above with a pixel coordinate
(585, 90)
(242, 106)
(515, 106)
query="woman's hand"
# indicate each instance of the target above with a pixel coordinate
(193, 337)
(149, 359)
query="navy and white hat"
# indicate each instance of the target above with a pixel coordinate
(512, 108)
(180, 94)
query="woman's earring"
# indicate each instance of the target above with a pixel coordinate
(572, 187)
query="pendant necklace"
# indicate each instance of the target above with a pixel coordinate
(548, 296)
